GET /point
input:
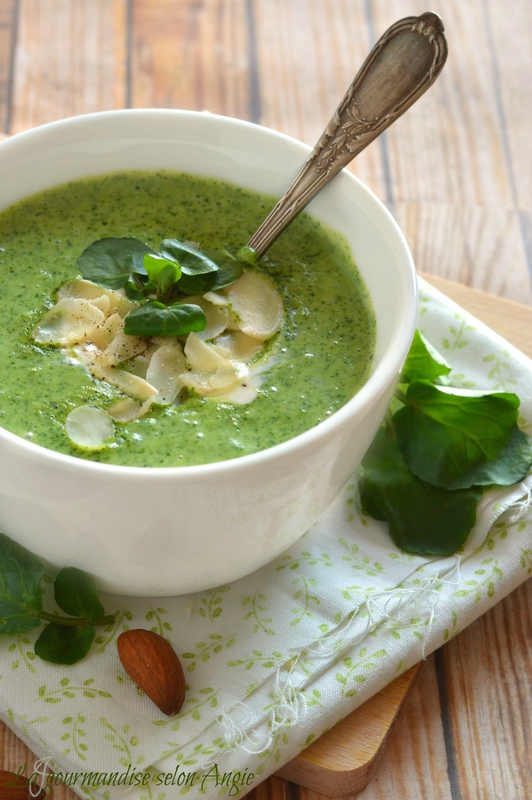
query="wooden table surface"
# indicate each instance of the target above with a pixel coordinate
(456, 172)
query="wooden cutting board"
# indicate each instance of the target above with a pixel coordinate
(344, 759)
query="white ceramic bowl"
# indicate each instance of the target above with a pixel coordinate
(169, 531)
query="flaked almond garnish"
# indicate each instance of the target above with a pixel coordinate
(217, 298)
(258, 305)
(157, 341)
(89, 291)
(210, 373)
(81, 289)
(128, 383)
(103, 335)
(164, 372)
(70, 321)
(139, 365)
(88, 321)
(89, 427)
(127, 410)
(217, 316)
(238, 346)
(102, 303)
(123, 347)
(91, 357)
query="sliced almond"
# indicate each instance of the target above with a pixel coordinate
(103, 335)
(164, 372)
(71, 320)
(157, 341)
(123, 347)
(139, 365)
(217, 298)
(89, 427)
(217, 316)
(90, 291)
(102, 303)
(128, 383)
(210, 373)
(127, 410)
(238, 346)
(81, 289)
(123, 305)
(258, 304)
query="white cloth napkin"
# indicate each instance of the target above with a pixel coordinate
(275, 658)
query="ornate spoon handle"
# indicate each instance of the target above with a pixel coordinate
(406, 60)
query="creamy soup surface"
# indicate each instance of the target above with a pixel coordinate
(319, 359)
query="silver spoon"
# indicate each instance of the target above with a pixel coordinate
(406, 60)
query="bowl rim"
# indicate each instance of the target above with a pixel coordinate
(325, 429)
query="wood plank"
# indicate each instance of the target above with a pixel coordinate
(487, 672)
(192, 55)
(414, 765)
(449, 164)
(343, 760)
(308, 54)
(71, 61)
(509, 36)
(478, 246)
(449, 147)
(8, 20)
(441, 168)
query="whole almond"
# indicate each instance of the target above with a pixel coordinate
(150, 661)
(17, 787)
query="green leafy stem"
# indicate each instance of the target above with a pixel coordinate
(73, 622)
(64, 640)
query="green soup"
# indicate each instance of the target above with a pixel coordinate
(323, 352)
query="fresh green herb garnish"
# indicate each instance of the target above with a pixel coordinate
(450, 440)
(156, 319)
(160, 282)
(64, 640)
(421, 518)
(425, 470)
(111, 262)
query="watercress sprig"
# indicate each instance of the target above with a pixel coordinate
(160, 282)
(425, 471)
(64, 640)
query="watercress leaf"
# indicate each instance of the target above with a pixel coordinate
(423, 361)
(446, 437)
(20, 587)
(421, 518)
(75, 593)
(511, 465)
(155, 319)
(196, 284)
(62, 644)
(168, 277)
(229, 269)
(155, 265)
(191, 261)
(132, 292)
(110, 262)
